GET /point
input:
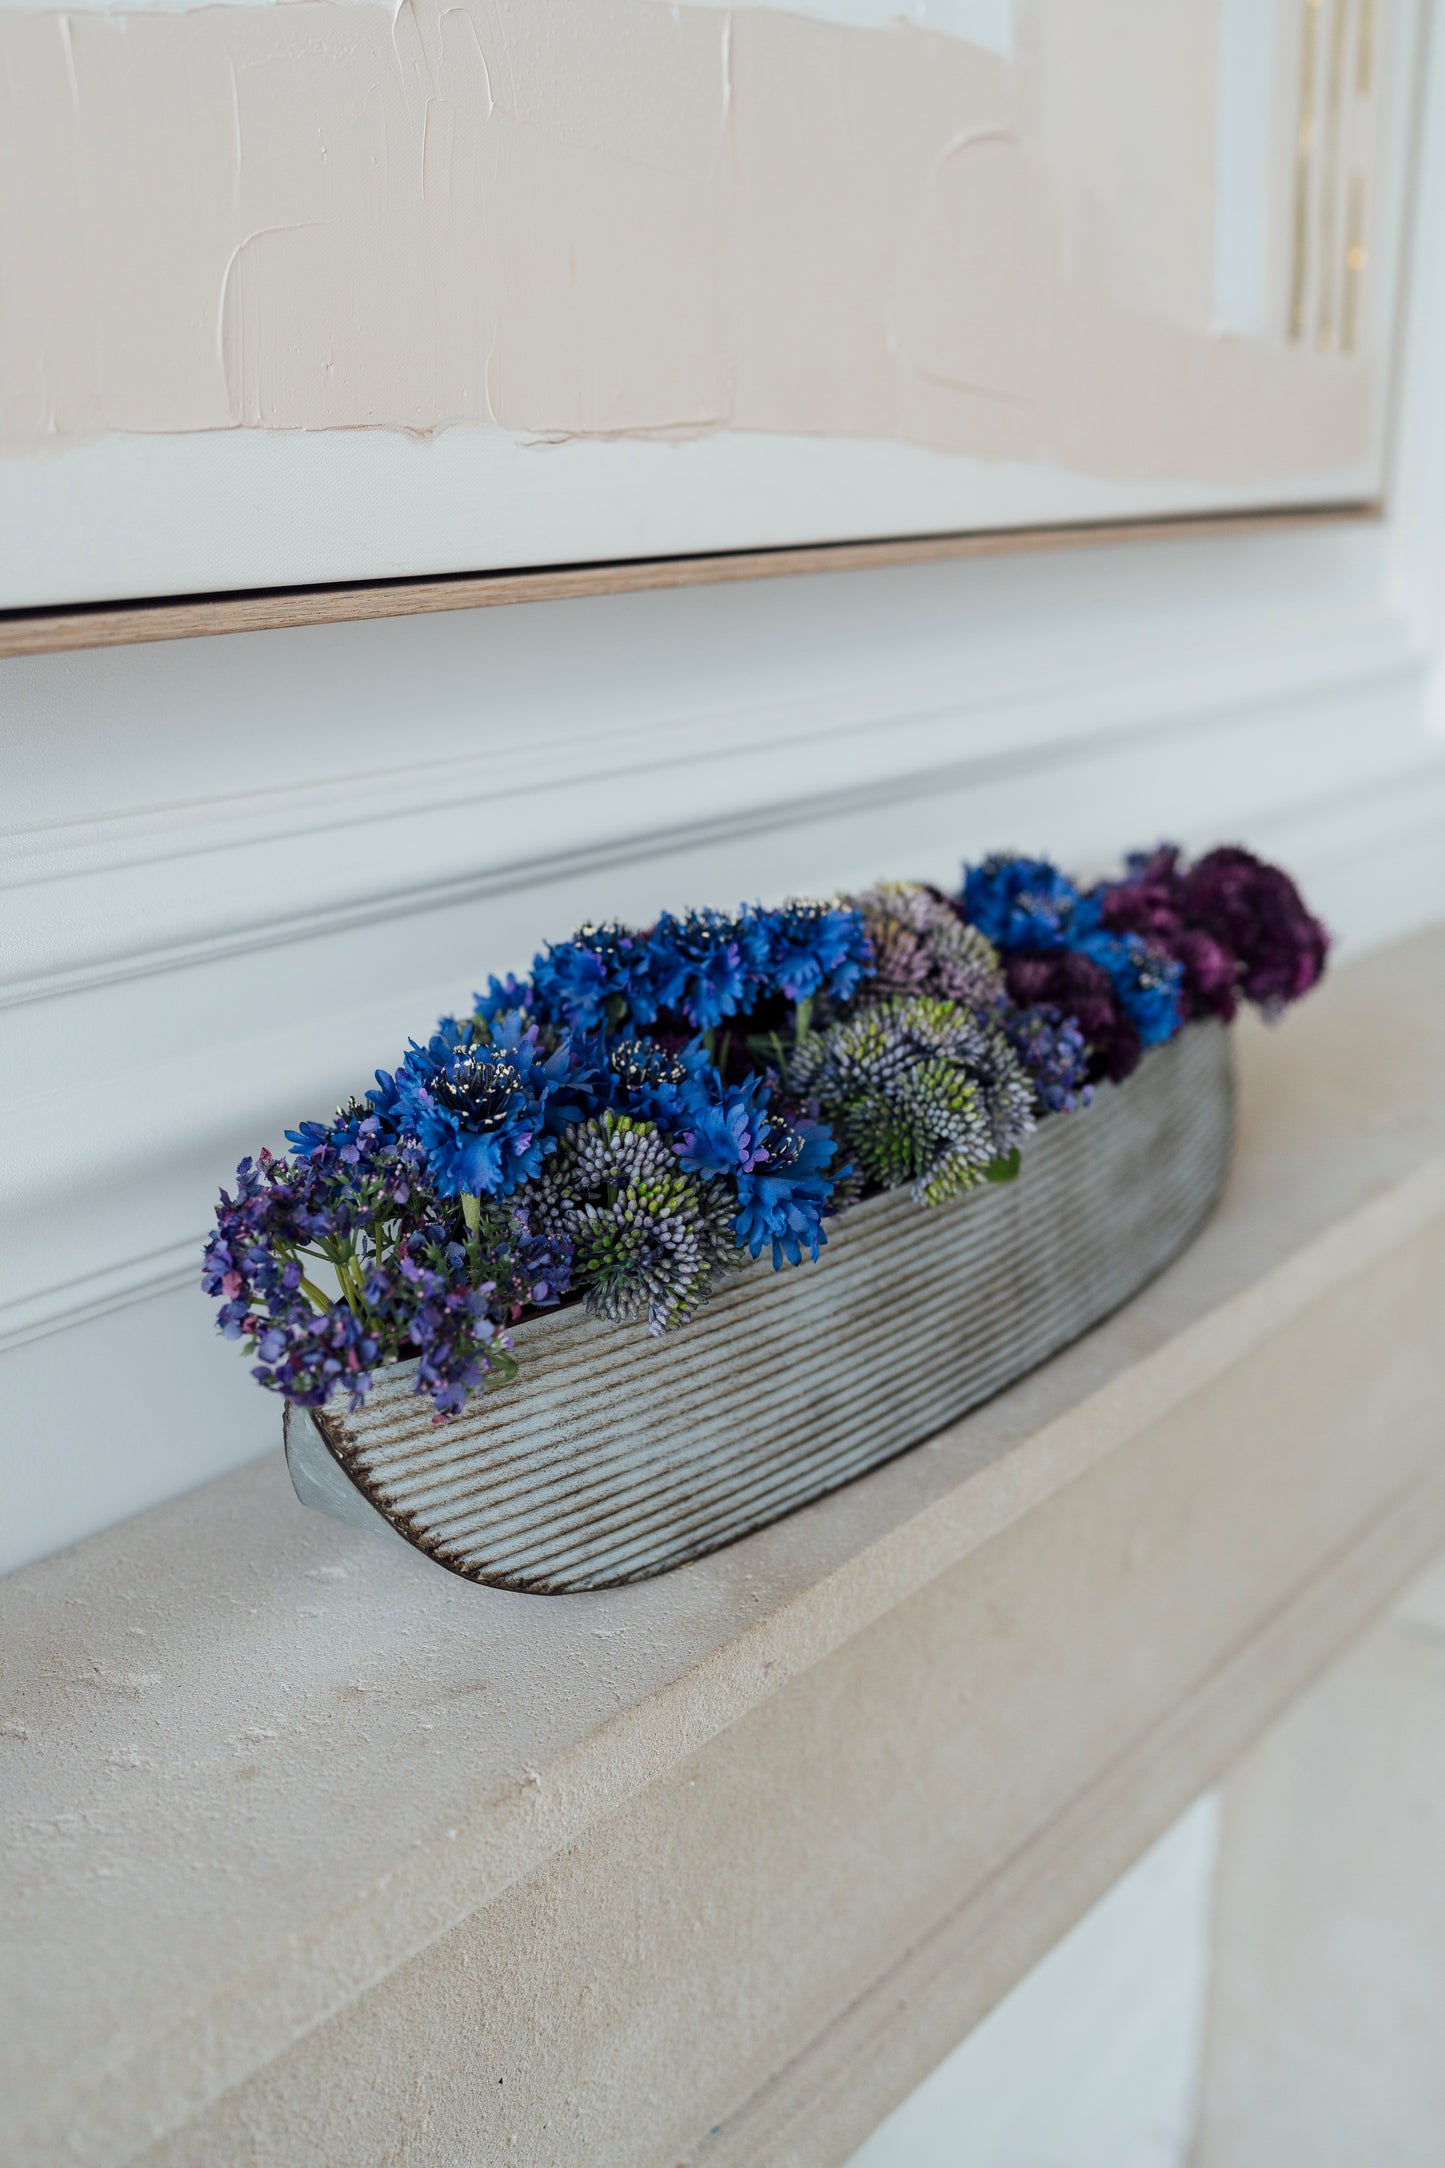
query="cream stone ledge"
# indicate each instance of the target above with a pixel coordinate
(315, 1853)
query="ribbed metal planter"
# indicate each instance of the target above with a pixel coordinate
(613, 1457)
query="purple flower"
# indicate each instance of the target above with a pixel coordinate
(1053, 1052)
(1234, 924)
(1256, 911)
(1077, 986)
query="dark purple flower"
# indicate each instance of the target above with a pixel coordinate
(1076, 986)
(1255, 911)
(1237, 925)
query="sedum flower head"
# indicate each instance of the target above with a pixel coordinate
(921, 946)
(648, 1239)
(920, 1091)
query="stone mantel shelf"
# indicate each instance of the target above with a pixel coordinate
(314, 1852)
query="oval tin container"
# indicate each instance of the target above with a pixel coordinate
(612, 1457)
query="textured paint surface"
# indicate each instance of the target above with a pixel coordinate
(633, 219)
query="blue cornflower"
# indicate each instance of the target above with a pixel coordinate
(479, 1110)
(698, 967)
(784, 1200)
(721, 1129)
(636, 1076)
(1147, 983)
(599, 977)
(812, 948)
(353, 1127)
(1020, 903)
(1146, 979)
(503, 996)
(727, 1132)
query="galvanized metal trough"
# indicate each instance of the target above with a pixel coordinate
(613, 1457)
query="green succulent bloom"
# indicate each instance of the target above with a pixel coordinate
(920, 1090)
(648, 1240)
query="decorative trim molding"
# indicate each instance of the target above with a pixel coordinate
(189, 617)
(95, 1294)
(889, 758)
(1376, 822)
(828, 2100)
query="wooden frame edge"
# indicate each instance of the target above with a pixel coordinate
(47, 630)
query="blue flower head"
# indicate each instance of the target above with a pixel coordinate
(638, 1077)
(783, 1200)
(721, 1129)
(703, 967)
(502, 996)
(1146, 982)
(728, 1132)
(597, 978)
(481, 1111)
(1020, 903)
(812, 948)
(355, 1125)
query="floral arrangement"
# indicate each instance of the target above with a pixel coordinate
(652, 1107)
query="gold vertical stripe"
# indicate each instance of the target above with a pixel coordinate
(1356, 257)
(1303, 160)
(1329, 213)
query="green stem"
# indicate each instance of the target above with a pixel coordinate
(314, 1295)
(802, 1019)
(350, 1285)
(472, 1210)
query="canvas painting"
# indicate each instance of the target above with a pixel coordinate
(343, 290)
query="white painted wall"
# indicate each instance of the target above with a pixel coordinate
(1094, 2059)
(237, 873)
(240, 872)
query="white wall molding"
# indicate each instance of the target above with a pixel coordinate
(188, 882)
(239, 873)
(253, 1015)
